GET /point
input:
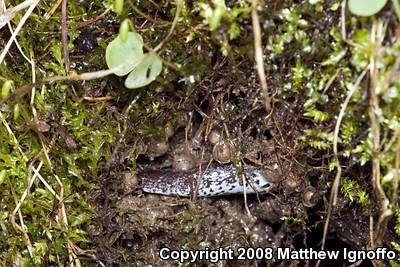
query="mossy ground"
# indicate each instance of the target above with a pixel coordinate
(67, 147)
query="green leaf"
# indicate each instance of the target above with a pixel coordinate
(3, 174)
(366, 7)
(145, 72)
(119, 52)
(6, 88)
(317, 115)
(213, 16)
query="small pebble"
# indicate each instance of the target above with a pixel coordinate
(157, 149)
(214, 137)
(223, 152)
(310, 196)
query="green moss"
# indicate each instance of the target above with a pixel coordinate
(310, 68)
(55, 105)
(354, 192)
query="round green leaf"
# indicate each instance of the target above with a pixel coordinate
(145, 72)
(119, 52)
(366, 7)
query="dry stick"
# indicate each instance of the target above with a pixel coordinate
(14, 35)
(16, 42)
(343, 19)
(385, 212)
(21, 219)
(44, 182)
(53, 9)
(396, 177)
(331, 80)
(258, 55)
(174, 22)
(11, 12)
(335, 186)
(64, 34)
(85, 23)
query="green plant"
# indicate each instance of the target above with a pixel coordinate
(214, 15)
(353, 191)
(125, 55)
(118, 6)
(366, 7)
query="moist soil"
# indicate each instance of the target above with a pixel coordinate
(133, 225)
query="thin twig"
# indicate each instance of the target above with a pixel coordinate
(19, 26)
(11, 12)
(64, 34)
(11, 133)
(258, 55)
(396, 177)
(343, 20)
(331, 80)
(16, 42)
(85, 23)
(336, 183)
(53, 9)
(383, 202)
(179, 4)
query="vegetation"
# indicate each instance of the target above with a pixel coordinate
(61, 129)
